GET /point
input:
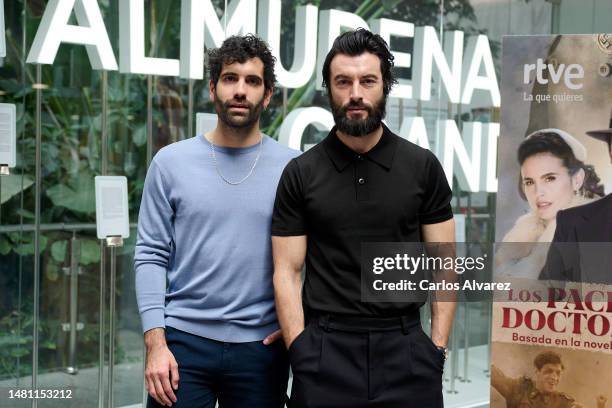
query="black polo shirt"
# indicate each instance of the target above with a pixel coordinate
(339, 199)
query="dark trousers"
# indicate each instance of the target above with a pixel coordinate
(338, 363)
(238, 375)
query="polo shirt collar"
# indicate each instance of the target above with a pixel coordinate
(341, 155)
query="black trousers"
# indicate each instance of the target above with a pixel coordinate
(345, 363)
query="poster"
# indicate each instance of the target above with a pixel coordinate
(552, 333)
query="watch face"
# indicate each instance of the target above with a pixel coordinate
(443, 351)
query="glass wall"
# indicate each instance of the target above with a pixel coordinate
(74, 122)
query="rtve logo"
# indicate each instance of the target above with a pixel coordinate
(571, 74)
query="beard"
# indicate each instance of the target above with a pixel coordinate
(238, 121)
(359, 127)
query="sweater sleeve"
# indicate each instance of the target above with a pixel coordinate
(153, 249)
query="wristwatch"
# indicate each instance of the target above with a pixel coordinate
(444, 351)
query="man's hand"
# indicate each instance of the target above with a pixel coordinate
(440, 341)
(292, 337)
(602, 400)
(271, 338)
(161, 369)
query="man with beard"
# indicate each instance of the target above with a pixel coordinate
(204, 227)
(541, 390)
(361, 184)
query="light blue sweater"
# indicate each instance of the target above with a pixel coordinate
(203, 253)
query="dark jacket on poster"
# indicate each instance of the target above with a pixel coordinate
(590, 259)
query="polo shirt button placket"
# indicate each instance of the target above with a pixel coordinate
(360, 178)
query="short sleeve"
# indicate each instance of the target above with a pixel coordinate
(436, 205)
(288, 215)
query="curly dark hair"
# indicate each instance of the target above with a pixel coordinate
(549, 142)
(547, 357)
(239, 49)
(357, 42)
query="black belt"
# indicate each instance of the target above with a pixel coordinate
(360, 324)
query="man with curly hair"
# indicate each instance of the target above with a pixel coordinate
(203, 255)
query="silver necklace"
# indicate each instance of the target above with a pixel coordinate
(218, 168)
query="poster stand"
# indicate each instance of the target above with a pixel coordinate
(112, 242)
(2, 169)
(112, 226)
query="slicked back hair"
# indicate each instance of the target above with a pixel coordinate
(357, 42)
